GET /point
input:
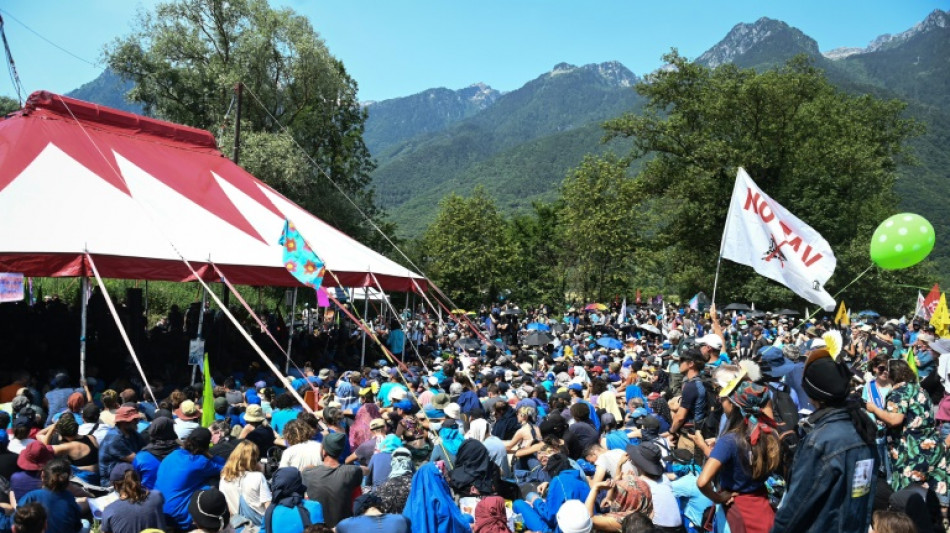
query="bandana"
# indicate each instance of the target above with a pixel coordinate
(750, 398)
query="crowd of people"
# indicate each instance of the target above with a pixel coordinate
(660, 419)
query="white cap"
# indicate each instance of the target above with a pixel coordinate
(712, 340)
(573, 517)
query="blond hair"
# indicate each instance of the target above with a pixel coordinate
(243, 459)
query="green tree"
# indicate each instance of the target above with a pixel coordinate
(8, 105)
(537, 236)
(186, 57)
(468, 249)
(599, 231)
(828, 157)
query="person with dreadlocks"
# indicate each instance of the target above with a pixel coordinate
(744, 456)
(832, 485)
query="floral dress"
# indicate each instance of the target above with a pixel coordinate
(917, 453)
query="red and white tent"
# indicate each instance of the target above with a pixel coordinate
(130, 190)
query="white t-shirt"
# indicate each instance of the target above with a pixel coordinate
(302, 456)
(253, 486)
(609, 461)
(478, 429)
(100, 434)
(183, 428)
(666, 511)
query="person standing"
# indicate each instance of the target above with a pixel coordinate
(833, 477)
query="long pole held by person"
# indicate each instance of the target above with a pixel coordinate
(84, 302)
(290, 336)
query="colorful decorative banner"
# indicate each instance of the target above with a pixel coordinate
(299, 258)
(11, 287)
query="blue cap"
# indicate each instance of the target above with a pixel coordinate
(405, 405)
(575, 387)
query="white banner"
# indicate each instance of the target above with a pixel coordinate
(767, 237)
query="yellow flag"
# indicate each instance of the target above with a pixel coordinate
(912, 360)
(842, 318)
(941, 317)
(207, 396)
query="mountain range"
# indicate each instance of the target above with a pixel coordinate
(519, 145)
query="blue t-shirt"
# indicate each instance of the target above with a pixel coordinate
(696, 502)
(390, 523)
(123, 516)
(280, 417)
(180, 475)
(732, 475)
(114, 447)
(62, 512)
(147, 465)
(287, 520)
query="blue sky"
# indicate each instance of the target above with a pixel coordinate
(400, 47)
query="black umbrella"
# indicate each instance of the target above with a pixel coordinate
(558, 328)
(788, 312)
(538, 338)
(468, 343)
(754, 314)
(737, 307)
(512, 312)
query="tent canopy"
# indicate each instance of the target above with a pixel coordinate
(136, 192)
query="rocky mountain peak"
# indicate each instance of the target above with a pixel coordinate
(935, 20)
(744, 36)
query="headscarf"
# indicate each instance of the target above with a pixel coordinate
(490, 516)
(473, 468)
(401, 463)
(359, 431)
(451, 439)
(162, 438)
(389, 444)
(430, 506)
(287, 489)
(580, 375)
(750, 398)
(633, 495)
(608, 402)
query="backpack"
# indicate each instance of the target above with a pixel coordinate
(709, 425)
(786, 417)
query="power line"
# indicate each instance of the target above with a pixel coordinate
(51, 43)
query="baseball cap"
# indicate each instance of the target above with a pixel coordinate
(712, 340)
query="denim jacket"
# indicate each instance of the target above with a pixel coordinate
(833, 479)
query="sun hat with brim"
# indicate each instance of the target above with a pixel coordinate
(440, 401)
(254, 414)
(209, 510)
(776, 365)
(126, 413)
(187, 411)
(453, 410)
(940, 346)
(646, 456)
(377, 423)
(35, 456)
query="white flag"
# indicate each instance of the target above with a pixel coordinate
(918, 311)
(764, 235)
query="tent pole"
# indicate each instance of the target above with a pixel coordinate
(290, 336)
(84, 302)
(201, 321)
(146, 305)
(365, 319)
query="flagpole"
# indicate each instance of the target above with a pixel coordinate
(83, 289)
(290, 337)
(722, 241)
(201, 320)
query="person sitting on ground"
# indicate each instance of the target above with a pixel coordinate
(91, 425)
(122, 442)
(137, 507)
(82, 451)
(187, 419)
(289, 511)
(29, 518)
(31, 461)
(162, 441)
(210, 511)
(395, 490)
(302, 451)
(566, 484)
(183, 472)
(110, 404)
(222, 442)
(244, 485)
(368, 515)
(62, 512)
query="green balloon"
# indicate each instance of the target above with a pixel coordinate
(902, 241)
